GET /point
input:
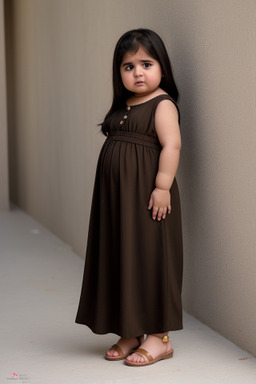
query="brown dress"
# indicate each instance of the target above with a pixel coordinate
(133, 270)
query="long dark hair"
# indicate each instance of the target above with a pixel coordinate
(131, 41)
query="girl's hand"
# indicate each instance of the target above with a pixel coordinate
(160, 201)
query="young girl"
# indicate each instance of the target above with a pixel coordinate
(133, 270)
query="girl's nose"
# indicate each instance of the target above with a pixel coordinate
(137, 71)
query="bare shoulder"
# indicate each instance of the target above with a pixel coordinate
(167, 123)
(166, 109)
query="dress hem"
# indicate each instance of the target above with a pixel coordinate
(148, 331)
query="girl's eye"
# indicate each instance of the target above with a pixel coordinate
(147, 65)
(129, 67)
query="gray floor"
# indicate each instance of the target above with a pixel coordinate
(40, 342)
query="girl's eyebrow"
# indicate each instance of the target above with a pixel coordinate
(142, 61)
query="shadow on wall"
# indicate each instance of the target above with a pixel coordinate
(190, 161)
(11, 100)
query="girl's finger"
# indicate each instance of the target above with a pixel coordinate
(164, 213)
(169, 209)
(160, 213)
(154, 212)
(150, 204)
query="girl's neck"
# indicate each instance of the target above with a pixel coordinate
(138, 99)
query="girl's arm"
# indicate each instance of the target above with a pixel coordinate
(168, 132)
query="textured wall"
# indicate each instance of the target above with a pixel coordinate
(60, 88)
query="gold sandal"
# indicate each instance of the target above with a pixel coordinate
(143, 353)
(121, 355)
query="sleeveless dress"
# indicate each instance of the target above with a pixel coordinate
(133, 269)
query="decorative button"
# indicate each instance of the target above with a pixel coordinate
(125, 116)
(128, 108)
(121, 122)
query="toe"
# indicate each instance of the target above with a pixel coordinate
(141, 359)
(112, 353)
(135, 358)
(132, 357)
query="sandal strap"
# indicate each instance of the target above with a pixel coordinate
(145, 353)
(117, 348)
(164, 339)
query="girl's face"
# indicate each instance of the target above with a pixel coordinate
(140, 73)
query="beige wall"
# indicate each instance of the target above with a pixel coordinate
(216, 45)
(4, 183)
(60, 88)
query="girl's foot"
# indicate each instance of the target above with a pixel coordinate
(124, 347)
(154, 346)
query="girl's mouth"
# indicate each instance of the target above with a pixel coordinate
(139, 82)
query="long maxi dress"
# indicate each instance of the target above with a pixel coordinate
(133, 269)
